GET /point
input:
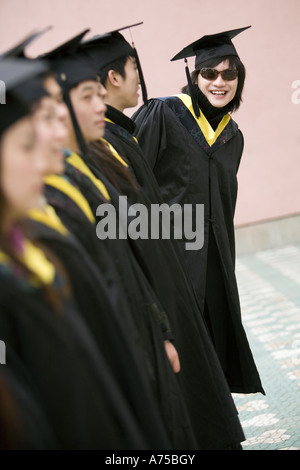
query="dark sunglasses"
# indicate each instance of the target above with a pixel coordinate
(212, 74)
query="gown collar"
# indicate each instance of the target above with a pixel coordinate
(209, 133)
(115, 116)
(199, 128)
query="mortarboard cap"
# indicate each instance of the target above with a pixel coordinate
(107, 48)
(19, 49)
(22, 89)
(69, 67)
(67, 48)
(14, 72)
(30, 90)
(211, 46)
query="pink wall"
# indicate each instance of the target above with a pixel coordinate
(269, 176)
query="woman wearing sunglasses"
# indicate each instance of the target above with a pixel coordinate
(194, 148)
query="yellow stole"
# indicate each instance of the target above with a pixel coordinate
(72, 192)
(37, 263)
(78, 163)
(206, 129)
(109, 120)
(114, 152)
(48, 216)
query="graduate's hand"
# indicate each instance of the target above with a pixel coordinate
(172, 356)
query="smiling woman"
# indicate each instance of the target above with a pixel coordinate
(207, 79)
(219, 85)
(194, 148)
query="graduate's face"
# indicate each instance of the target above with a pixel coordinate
(219, 92)
(22, 168)
(51, 126)
(89, 108)
(129, 86)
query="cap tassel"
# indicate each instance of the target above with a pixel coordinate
(191, 90)
(142, 81)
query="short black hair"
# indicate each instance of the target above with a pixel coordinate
(234, 63)
(118, 66)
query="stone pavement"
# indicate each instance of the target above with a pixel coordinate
(269, 286)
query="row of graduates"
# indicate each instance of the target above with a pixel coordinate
(106, 344)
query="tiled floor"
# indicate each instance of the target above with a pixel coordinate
(269, 286)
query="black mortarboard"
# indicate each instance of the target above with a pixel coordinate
(69, 67)
(105, 49)
(19, 49)
(14, 72)
(19, 77)
(211, 46)
(66, 48)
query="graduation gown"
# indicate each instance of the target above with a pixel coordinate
(194, 164)
(211, 409)
(119, 131)
(51, 349)
(111, 325)
(23, 423)
(150, 326)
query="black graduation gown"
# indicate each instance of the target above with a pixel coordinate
(113, 330)
(146, 313)
(119, 131)
(190, 171)
(56, 354)
(114, 259)
(210, 405)
(23, 423)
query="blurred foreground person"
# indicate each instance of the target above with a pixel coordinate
(63, 393)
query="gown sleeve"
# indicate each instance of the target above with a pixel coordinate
(150, 130)
(242, 149)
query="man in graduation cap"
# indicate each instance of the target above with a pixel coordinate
(194, 148)
(121, 74)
